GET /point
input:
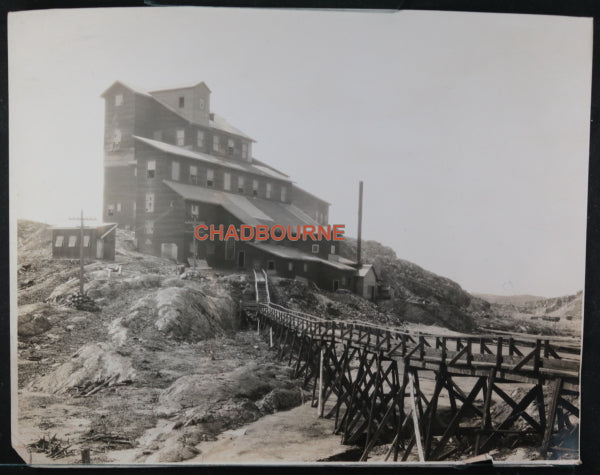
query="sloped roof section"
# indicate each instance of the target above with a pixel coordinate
(184, 152)
(218, 122)
(293, 253)
(251, 211)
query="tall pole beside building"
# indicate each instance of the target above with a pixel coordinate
(81, 257)
(359, 241)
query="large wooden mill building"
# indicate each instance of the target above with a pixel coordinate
(170, 164)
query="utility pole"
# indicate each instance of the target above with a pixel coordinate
(81, 250)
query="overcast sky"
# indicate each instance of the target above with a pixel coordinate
(470, 131)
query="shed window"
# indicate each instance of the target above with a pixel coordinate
(181, 137)
(333, 249)
(268, 193)
(175, 171)
(86, 241)
(118, 99)
(200, 138)
(149, 226)
(118, 207)
(194, 211)
(117, 136)
(111, 210)
(226, 181)
(149, 202)
(182, 101)
(215, 143)
(210, 248)
(229, 249)
(270, 265)
(244, 150)
(290, 266)
(193, 174)
(210, 178)
(59, 241)
(151, 168)
(305, 267)
(230, 146)
(315, 248)
(241, 184)
(254, 187)
(72, 241)
(283, 193)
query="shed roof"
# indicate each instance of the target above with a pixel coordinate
(251, 211)
(295, 254)
(184, 152)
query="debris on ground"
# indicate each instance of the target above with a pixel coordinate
(52, 446)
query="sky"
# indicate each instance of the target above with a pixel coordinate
(469, 130)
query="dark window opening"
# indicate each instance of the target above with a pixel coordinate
(151, 173)
(181, 101)
(270, 265)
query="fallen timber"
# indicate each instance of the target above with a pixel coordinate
(372, 378)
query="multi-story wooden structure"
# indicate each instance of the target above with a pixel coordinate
(170, 164)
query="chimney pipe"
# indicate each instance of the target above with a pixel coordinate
(359, 241)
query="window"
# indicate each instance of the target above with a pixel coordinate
(192, 248)
(226, 181)
(134, 206)
(241, 184)
(210, 178)
(181, 137)
(151, 168)
(149, 226)
(210, 248)
(333, 249)
(149, 202)
(244, 150)
(254, 187)
(111, 210)
(215, 143)
(230, 146)
(72, 241)
(315, 248)
(200, 138)
(118, 99)
(201, 103)
(268, 190)
(270, 265)
(283, 193)
(157, 135)
(194, 211)
(175, 171)
(118, 207)
(86, 241)
(181, 101)
(59, 241)
(305, 267)
(229, 249)
(117, 136)
(290, 266)
(135, 171)
(193, 174)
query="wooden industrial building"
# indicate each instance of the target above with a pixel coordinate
(171, 164)
(98, 242)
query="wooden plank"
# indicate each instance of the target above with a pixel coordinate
(413, 407)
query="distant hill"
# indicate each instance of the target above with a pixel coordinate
(565, 306)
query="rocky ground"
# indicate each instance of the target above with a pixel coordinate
(162, 369)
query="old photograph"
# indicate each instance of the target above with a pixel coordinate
(253, 236)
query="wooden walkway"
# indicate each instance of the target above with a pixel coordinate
(370, 380)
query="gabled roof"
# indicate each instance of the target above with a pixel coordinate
(185, 86)
(293, 253)
(217, 122)
(184, 152)
(251, 211)
(365, 269)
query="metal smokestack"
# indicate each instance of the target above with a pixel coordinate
(359, 241)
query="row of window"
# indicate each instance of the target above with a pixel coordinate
(72, 242)
(210, 179)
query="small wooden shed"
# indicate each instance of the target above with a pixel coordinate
(99, 241)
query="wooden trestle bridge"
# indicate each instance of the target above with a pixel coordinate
(374, 379)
